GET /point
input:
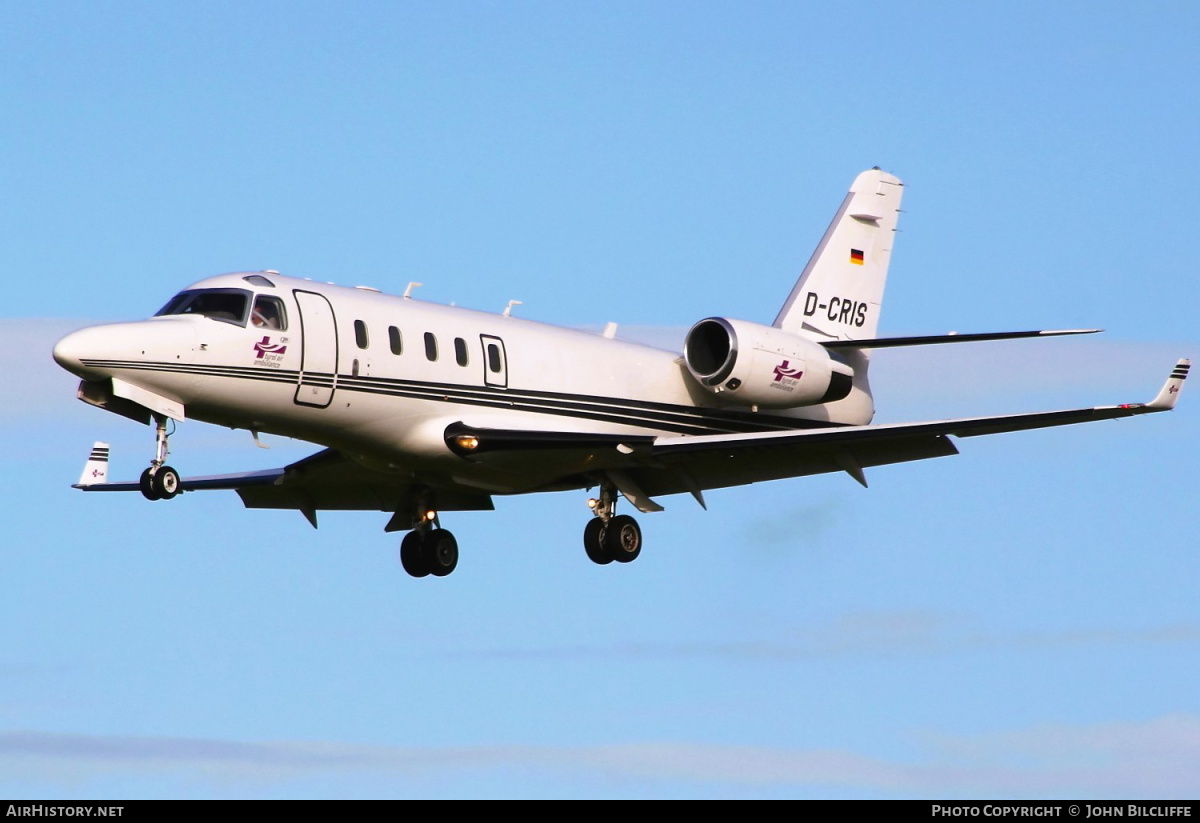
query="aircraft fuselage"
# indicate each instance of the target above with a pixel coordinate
(381, 377)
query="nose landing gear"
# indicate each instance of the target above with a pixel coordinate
(607, 536)
(160, 481)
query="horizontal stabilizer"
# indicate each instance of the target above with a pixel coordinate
(931, 339)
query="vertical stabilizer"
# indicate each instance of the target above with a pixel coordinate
(95, 470)
(839, 292)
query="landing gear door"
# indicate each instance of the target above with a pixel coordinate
(495, 361)
(319, 354)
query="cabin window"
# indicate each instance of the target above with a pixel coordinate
(460, 351)
(394, 340)
(226, 305)
(493, 354)
(268, 313)
(360, 334)
(430, 346)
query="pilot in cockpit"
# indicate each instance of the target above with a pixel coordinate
(265, 314)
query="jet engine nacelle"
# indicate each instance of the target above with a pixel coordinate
(747, 364)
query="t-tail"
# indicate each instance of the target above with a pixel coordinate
(839, 293)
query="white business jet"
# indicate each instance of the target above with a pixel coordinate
(425, 408)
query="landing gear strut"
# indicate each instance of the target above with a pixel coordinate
(160, 481)
(607, 536)
(428, 548)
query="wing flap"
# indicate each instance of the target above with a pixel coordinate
(728, 464)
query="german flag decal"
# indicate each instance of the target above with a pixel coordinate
(856, 257)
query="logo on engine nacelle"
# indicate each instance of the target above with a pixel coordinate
(786, 377)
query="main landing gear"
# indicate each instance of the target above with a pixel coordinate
(160, 481)
(431, 550)
(428, 548)
(607, 536)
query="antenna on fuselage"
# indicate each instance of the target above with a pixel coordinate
(508, 309)
(408, 291)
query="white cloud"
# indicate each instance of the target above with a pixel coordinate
(1156, 758)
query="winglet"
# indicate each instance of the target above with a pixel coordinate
(95, 470)
(1170, 391)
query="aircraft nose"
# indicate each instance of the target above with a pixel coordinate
(96, 352)
(72, 350)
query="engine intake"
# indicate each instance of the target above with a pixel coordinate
(747, 364)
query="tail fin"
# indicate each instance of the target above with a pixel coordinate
(95, 470)
(839, 292)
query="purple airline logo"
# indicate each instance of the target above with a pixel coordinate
(265, 347)
(784, 369)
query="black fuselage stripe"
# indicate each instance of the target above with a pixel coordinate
(690, 420)
(752, 420)
(577, 405)
(560, 410)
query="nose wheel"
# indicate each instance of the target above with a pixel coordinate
(607, 536)
(160, 481)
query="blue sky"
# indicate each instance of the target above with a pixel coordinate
(1018, 621)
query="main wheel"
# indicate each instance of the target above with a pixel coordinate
(166, 482)
(412, 554)
(623, 538)
(441, 552)
(593, 542)
(146, 485)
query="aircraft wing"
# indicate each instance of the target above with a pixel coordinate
(715, 461)
(643, 467)
(325, 480)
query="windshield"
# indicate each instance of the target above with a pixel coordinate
(226, 305)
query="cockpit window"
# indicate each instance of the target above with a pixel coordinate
(268, 313)
(226, 305)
